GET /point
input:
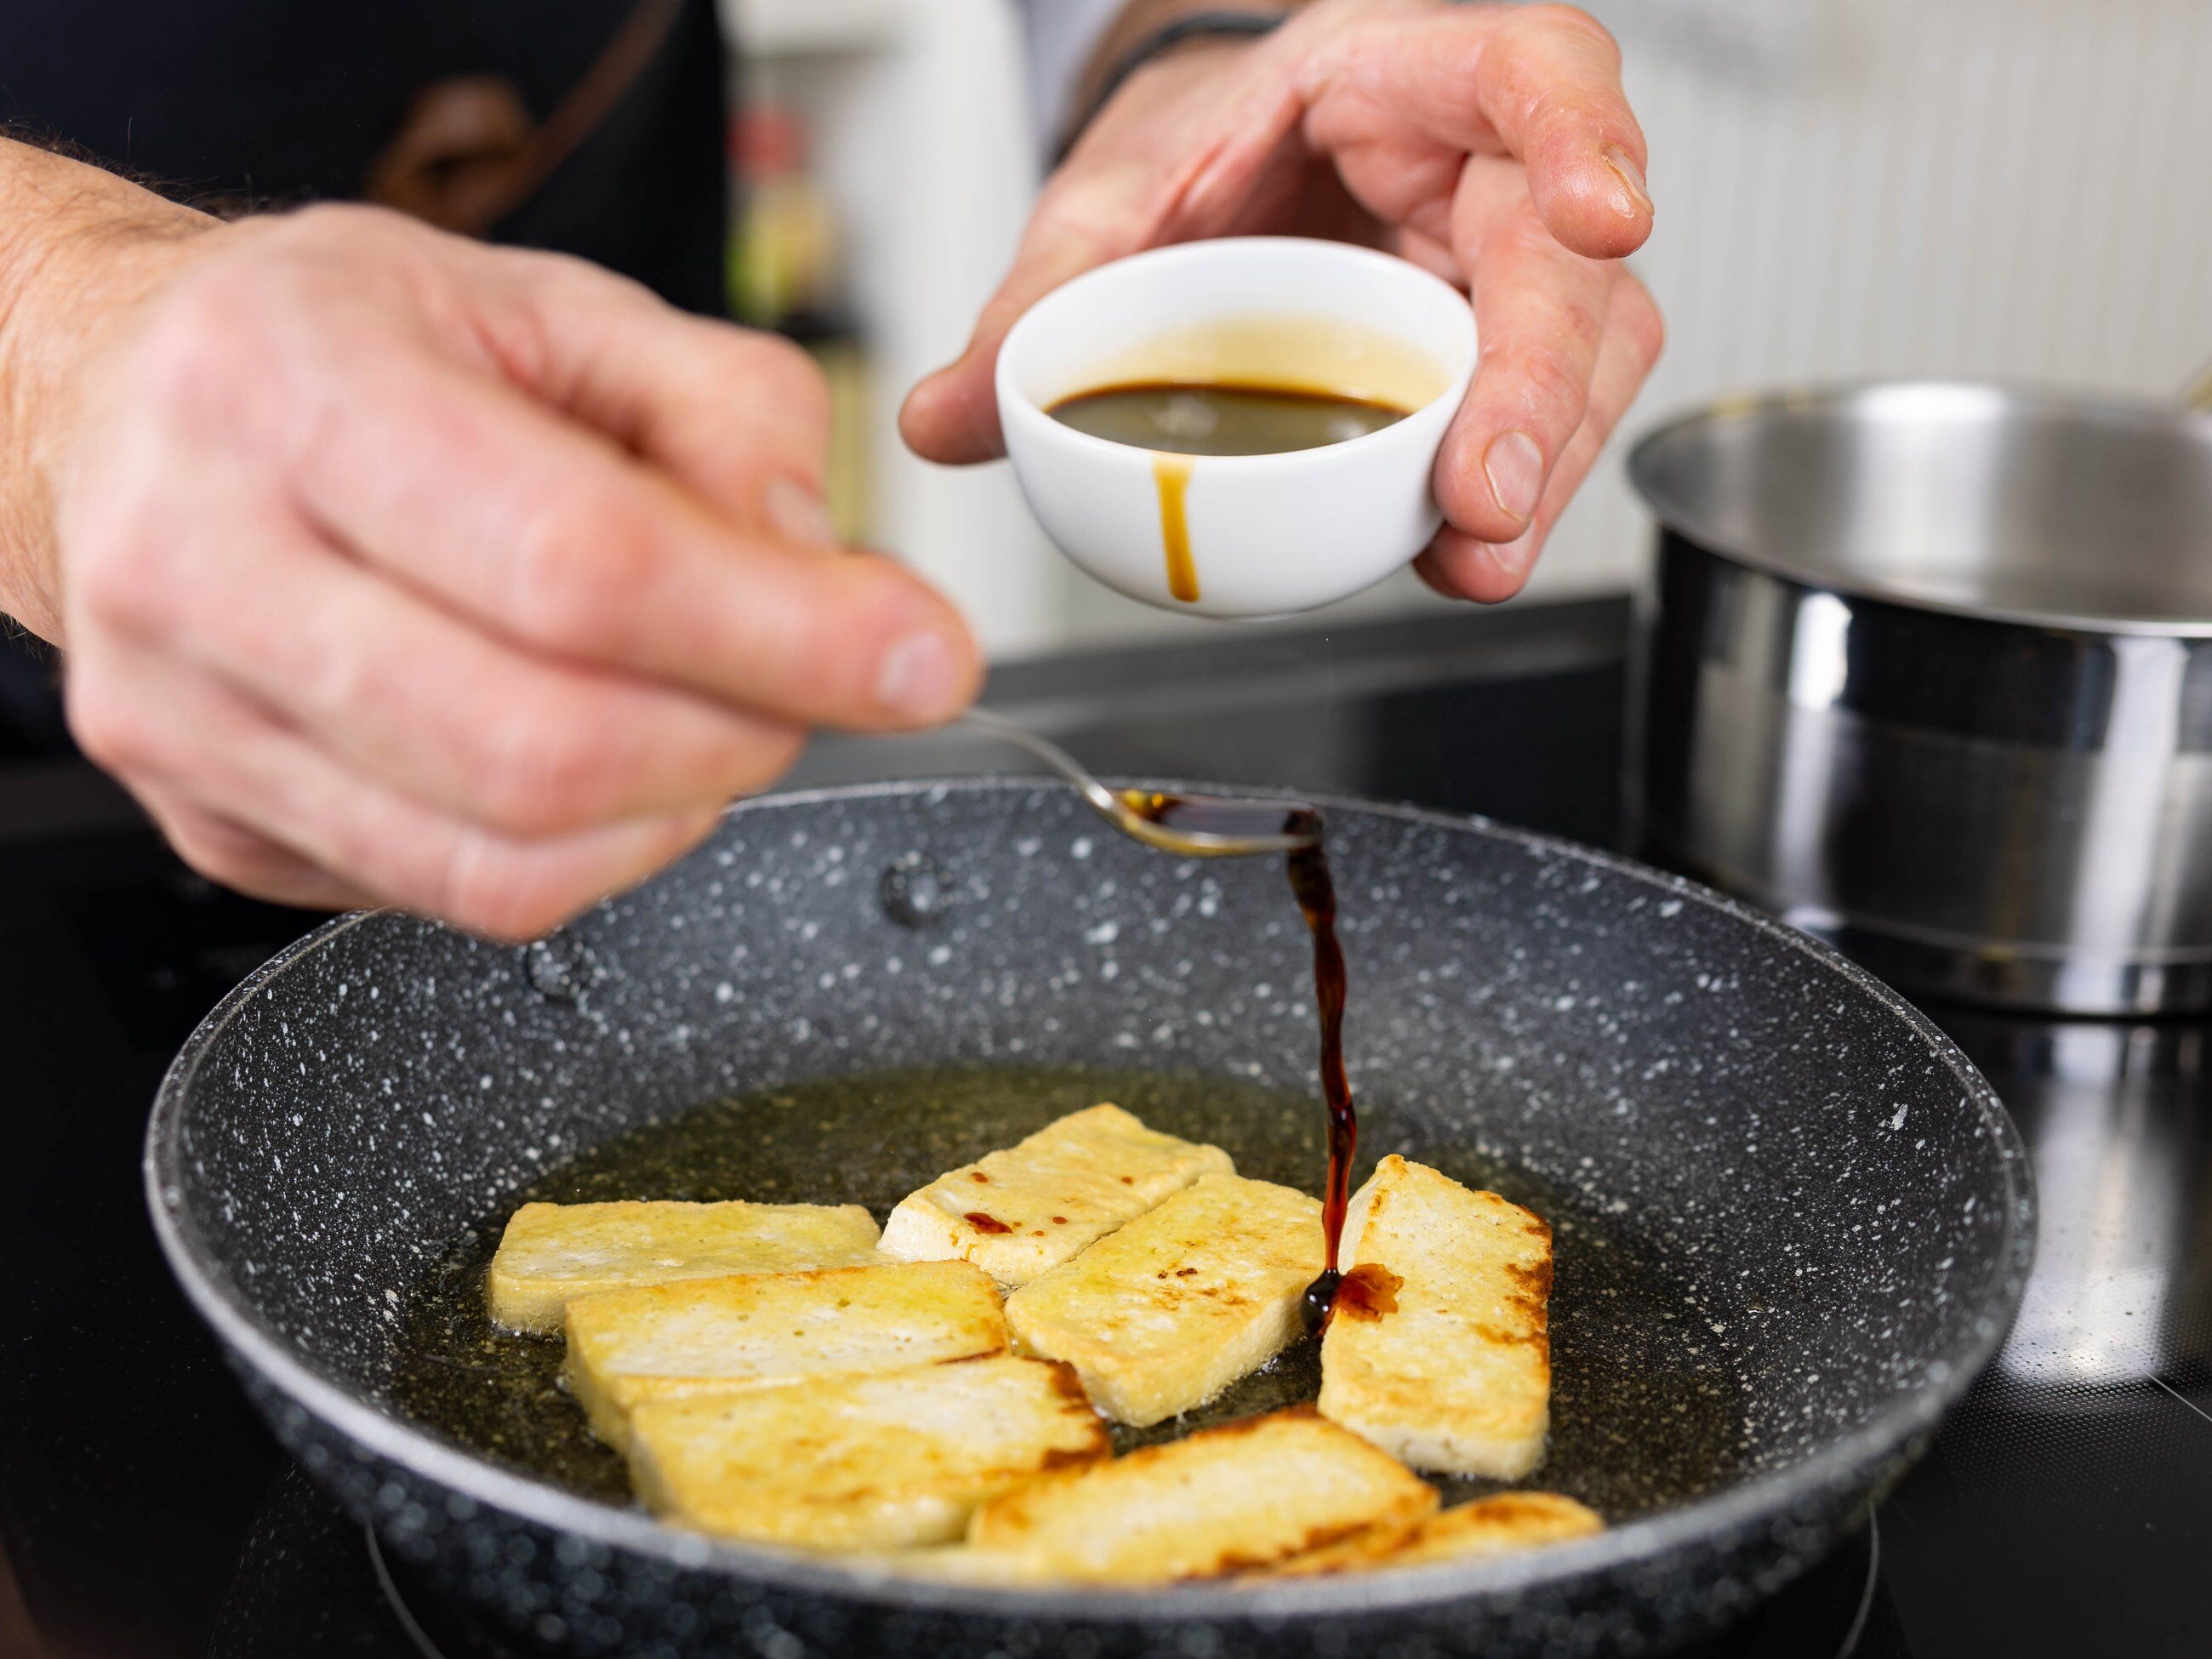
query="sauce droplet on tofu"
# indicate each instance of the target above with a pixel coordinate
(984, 1224)
(1368, 1292)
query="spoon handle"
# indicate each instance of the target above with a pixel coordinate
(1100, 797)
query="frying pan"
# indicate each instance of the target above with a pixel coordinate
(1836, 1207)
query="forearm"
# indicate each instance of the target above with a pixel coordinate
(1139, 19)
(78, 245)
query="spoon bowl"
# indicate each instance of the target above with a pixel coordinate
(1191, 826)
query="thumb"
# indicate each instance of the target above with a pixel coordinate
(952, 416)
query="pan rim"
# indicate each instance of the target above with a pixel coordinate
(2105, 407)
(1706, 1523)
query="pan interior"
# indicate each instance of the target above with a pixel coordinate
(1645, 1413)
(1791, 1218)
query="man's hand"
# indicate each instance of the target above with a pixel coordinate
(1491, 144)
(391, 568)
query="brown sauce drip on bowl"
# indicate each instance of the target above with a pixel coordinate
(1182, 418)
(1172, 477)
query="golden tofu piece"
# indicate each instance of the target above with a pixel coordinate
(1497, 1525)
(1237, 1499)
(1167, 1312)
(885, 1460)
(551, 1252)
(710, 1335)
(1022, 1210)
(1447, 1364)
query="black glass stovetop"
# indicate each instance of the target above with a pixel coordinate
(2066, 1508)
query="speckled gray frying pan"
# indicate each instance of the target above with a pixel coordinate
(1792, 1220)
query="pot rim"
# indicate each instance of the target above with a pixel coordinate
(1811, 1489)
(1642, 466)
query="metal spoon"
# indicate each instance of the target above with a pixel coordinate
(1194, 826)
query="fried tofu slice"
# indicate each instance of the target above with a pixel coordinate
(1021, 1212)
(1498, 1525)
(712, 1335)
(1446, 1363)
(882, 1461)
(551, 1252)
(1164, 1314)
(1237, 1499)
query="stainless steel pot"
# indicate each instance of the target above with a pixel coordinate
(1927, 670)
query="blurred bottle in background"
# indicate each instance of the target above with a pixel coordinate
(784, 275)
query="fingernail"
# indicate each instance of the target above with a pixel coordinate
(798, 513)
(1514, 467)
(1631, 201)
(918, 677)
(1513, 558)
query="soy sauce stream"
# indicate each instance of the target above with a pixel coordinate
(1315, 890)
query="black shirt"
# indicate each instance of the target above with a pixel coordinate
(271, 103)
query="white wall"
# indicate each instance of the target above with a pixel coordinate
(2016, 189)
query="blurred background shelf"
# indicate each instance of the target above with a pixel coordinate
(787, 28)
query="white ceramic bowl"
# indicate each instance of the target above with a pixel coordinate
(1268, 534)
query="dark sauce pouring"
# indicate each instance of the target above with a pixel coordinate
(1316, 892)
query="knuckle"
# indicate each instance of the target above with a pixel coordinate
(235, 858)
(107, 726)
(579, 564)
(783, 365)
(1089, 211)
(348, 222)
(1642, 321)
(124, 578)
(1529, 239)
(540, 770)
(1553, 395)
(760, 759)
(337, 672)
(784, 376)
(1574, 23)
(495, 891)
(577, 280)
(221, 353)
(191, 363)
(330, 245)
(218, 858)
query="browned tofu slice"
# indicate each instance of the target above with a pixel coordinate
(1021, 1211)
(882, 1461)
(551, 1252)
(1497, 1525)
(712, 1335)
(1164, 1314)
(1237, 1499)
(1449, 1367)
